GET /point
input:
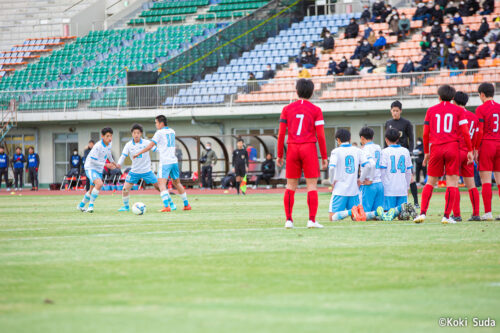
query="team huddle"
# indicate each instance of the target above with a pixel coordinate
(453, 140)
(137, 149)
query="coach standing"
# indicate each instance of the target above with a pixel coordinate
(33, 164)
(4, 168)
(405, 129)
(210, 159)
(18, 166)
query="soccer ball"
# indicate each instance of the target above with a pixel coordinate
(139, 208)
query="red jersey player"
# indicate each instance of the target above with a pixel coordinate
(443, 125)
(466, 169)
(489, 144)
(304, 122)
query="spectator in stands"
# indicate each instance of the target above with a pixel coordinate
(381, 41)
(366, 15)
(408, 67)
(378, 8)
(365, 49)
(404, 26)
(456, 65)
(379, 61)
(488, 7)
(394, 25)
(437, 14)
(18, 166)
(366, 66)
(451, 8)
(357, 51)
(372, 38)
(367, 31)
(85, 154)
(308, 61)
(451, 56)
(385, 14)
(448, 40)
(496, 51)
(483, 28)
(443, 54)
(422, 13)
(472, 7)
(342, 65)
(472, 63)
(312, 49)
(324, 31)
(352, 30)
(463, 10)
(332, 67)
(428, 62)
(390, 16)
(494, 34)
(252, 84)
(268, 170)
(391, 67)
(458, 42)
(350, 70)
(436, 30)
(304, 74)
(484, 51)
(328, 43)
(469, 49)
(269, 73)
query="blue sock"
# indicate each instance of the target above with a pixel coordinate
(93, 196)
(165, 197)
(125, 201)
(86, 199)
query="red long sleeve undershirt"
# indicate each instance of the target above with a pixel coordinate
(281, 139)
(479, 136)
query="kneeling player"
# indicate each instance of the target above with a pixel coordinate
(396, 166)
(372, 190)
(345, 162)
(466, 169)
(141, 166)
(94, 164)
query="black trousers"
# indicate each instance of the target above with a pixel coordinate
(263, 177)
(5, 174)
(87, 183)
(206, 177)
(33, 174)
(18, 177)
(419, 168)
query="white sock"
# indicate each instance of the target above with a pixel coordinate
(165, 197)
(93, 195)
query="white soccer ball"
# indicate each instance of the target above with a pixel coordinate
(139, 208)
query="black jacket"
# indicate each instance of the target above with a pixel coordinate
(472, 64)
(352, 30)
(328, 43)
(240, 157)
(484, 53)
(420, 155)
(268, 74)
(408, 68)
(405, 128)
(268, 168)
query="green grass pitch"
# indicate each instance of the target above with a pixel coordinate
(230, 266)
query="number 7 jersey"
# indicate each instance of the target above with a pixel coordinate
(444, 120)
(301, 118)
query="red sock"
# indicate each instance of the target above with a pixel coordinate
(456, 204)
(426, 197)
(288, 200)
(486, 192)
(474, 199)
(312, 202)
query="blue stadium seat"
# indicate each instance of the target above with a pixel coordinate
(205, 99)
(198, 100)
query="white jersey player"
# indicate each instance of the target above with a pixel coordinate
(94, 165)
(345, 162)
(141, 166)
(164, 140)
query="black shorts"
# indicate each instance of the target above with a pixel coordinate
(240, 170)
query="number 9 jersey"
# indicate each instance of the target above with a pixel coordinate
(346, 160)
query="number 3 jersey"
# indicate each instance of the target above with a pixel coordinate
(396, 167)
(165, 143)
(140, 164)
(346, 160)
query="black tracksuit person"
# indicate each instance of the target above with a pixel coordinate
(419, 152)
(405, 129)
(240, 163)
(4, 168)
(85, 154)
(18, 166)
(33, 164)
(268, 170)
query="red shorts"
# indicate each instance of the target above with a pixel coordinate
(489, 156)
(302, 157)
(444, 159)
(466, 170)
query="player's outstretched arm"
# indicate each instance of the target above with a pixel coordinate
(145, 150)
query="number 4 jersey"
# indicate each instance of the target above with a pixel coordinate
(396, 167)
(165, 142)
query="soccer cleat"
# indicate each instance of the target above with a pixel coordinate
(498, 218)
(361, 213)
(90, 209)
(188, 207)
(487, 217)
(474, 218)
(456, 218)
(380, 211)
(448, 220)
(419, 219)
(313, 224)
(389, 216)
(124, 209)
(417, 206)
(173, 206)
(289, 224)
(80, 207)
(355, 214)
(165, 210)
(405, 212)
